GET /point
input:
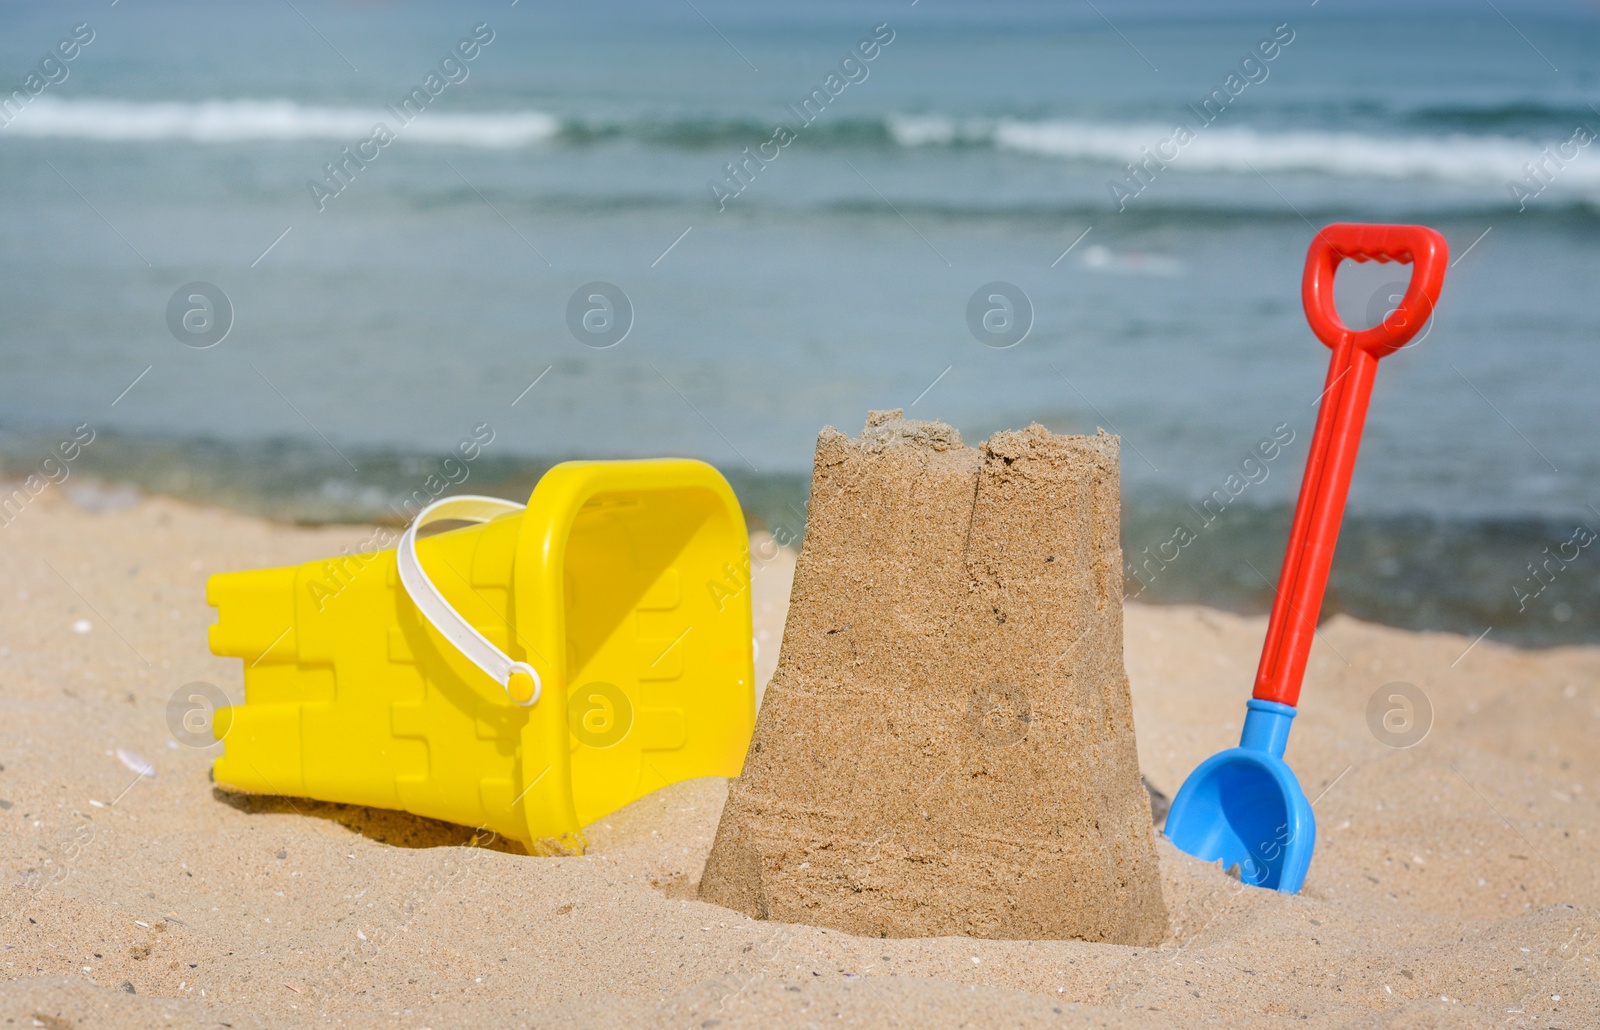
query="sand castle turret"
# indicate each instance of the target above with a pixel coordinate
(947, 746)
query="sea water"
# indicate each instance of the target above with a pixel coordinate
(801, 210)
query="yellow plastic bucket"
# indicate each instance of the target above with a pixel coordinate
(600, 649)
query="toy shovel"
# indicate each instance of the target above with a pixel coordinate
(1244, 805)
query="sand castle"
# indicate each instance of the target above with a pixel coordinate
(947, 746)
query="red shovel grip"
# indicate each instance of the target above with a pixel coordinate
(1315, 531)
(1415, 245)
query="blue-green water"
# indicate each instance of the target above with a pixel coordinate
(420, 289)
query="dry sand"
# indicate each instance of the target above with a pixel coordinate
(1454, 883)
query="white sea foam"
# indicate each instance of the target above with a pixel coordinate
(925, 130)
(1228, 149)
(232, 121)
(1237, 149)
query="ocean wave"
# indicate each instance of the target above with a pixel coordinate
(1459, 156)
(1264, 208)
(235, 121)
(1516, 115)
(1454, 157)
(219, 121)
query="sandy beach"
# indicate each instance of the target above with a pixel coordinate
(1454, 882)
(1111, 287)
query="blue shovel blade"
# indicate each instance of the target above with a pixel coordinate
(1245, 807)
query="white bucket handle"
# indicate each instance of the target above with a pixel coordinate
(495, 663)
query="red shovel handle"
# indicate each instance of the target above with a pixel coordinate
(1415, 245)
(1337, 438)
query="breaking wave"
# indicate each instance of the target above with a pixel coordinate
(1245, 150)
(234, 121)
(1449, 156)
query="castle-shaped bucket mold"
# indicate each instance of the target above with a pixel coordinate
(624, 585)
